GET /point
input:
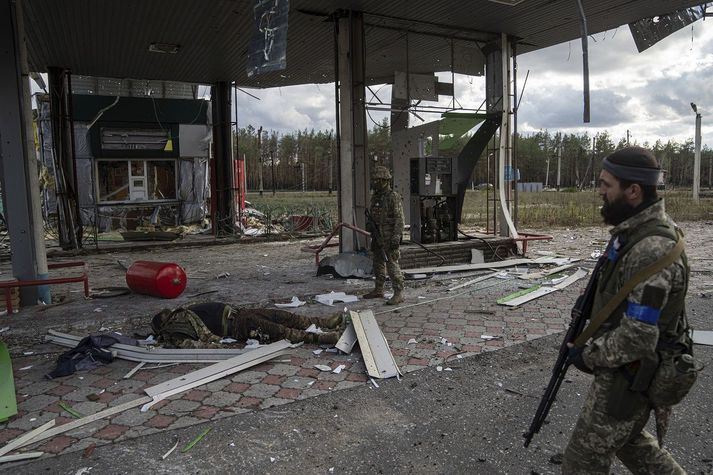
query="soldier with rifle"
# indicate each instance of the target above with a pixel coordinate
(637, 342)
(385, 222)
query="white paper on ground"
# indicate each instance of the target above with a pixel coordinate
(296, 302)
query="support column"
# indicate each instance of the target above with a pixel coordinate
(19, 165)
(498, 100)
(353, 163)
(224, 215)
(69, 220)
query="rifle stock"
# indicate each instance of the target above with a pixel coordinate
(377, 234)
(580, 314)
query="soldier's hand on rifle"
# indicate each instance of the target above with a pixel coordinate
(576, 358)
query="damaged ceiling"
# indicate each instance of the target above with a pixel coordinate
(111, 38)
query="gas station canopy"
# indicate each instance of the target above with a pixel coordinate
(202, 41)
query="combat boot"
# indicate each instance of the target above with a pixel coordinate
(328, 338)
(335, 321)
(396, 299)
(377, 293)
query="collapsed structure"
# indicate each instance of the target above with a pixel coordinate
(248, 45)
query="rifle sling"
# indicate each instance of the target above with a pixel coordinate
(639, 277)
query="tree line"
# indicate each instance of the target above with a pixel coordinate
(305, 159)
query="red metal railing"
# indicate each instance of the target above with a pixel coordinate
(316, 249)
(7, 285)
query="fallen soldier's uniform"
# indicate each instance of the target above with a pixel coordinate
(203, 325)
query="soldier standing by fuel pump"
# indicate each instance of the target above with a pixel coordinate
(385, 222)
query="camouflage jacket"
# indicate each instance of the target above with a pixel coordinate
(388, 214)
(626, 337)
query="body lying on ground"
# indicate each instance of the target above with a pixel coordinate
(204, 324)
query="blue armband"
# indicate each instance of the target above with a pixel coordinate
(642, 313)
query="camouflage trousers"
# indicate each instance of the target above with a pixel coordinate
(598, 436)
(392, 266)
(268, 325)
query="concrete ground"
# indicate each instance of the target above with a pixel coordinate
(429, 422)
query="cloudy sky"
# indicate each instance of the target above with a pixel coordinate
(647, 93)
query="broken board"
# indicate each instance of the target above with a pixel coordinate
(702, 337)
(347, 340)
(8, 403)
(522, 296)
(215, 371)
(375, 350)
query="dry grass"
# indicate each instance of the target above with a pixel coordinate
(535, 210)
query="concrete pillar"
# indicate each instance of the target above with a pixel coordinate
(19, 165)
(498, 101)
(223, 171)
(353, 163)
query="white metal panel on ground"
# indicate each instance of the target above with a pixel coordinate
(701, 337)
(110, 411)
(467, 267)
(377, 355)
(347, 340)
(524, 298)
(216, 371)
(581, 273)
(26, 437)
(154, 355)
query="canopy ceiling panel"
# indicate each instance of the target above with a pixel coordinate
(110, 38)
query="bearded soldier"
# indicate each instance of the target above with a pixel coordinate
(386, 225)
(647, 330)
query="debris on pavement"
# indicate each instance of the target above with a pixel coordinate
(200, 436)
(70, 410)
(703, 337)
(323, 367)
(347, 340)
(375, 350)
(23, 456)
(170, 451)
(330, 298)
(295, 302)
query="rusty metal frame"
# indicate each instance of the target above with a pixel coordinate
(7, 285)
(317, 249)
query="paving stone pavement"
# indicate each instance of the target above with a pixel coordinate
(433, 327)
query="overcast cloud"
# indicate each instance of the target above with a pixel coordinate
(647, 93)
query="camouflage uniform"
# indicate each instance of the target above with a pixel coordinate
(388, 215)
(613, 417)
(197, 326)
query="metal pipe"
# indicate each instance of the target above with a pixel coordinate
(585, 60)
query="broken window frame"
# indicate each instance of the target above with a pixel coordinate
(145, 162)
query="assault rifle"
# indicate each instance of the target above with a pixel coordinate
(580, 314)
(376, 235)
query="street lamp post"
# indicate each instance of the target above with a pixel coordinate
(697, 155)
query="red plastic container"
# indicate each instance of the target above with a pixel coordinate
(160, 279)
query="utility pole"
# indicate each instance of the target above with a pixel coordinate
(627, 137)
(259, 155)
(697, 156)
(559, 164)
(302, 169)
(272, 159)
(547, 157)
(330, 159)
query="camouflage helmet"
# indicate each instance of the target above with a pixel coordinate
(381, 173)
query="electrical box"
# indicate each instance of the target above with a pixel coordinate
(433, 199)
